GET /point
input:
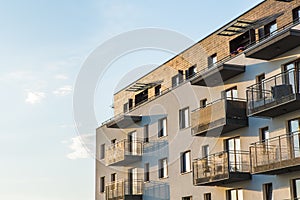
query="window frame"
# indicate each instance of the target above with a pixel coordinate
(146, 133)
(102, 151)
(228, 194)
(207, 196)
(163, 168)
(187, 198)
(147, 172)
(183, 117)
(266, 189)
(161, 127)
(183, 166)
(293, 188)
(102, 184)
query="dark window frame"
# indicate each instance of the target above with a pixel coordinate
(182, 118)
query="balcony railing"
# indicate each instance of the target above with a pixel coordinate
(221, 168)
(274, 96)
(276, 155)
(122, 190)
(276, 43)
(220, 116)
(123, 153)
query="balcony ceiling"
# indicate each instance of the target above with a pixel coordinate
(218, 74)
(123, 121)
(275, 45)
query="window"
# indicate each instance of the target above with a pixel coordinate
(128, 106)
(146, 172)
(102, 151)
(241, 42)
(113, 141)
(141, 97)
(205, 151)
(187, 198)
(102, 184)
(233, 146)
(163, 168)
(236, 194)
(185, 162)
(264, 134)
(113, 177)
(293, 129)
(207, 196)
(162, 127)
(146, 133)
(190, 72)
(295, 187)
(212, 60)
(289, 78)
(157, 90)
(259, 81)
(270, 28)
(267, 191)
(184, 118)
(177, 79)
(203, 103)
(231, 93)
(296, 14)
(205, 154)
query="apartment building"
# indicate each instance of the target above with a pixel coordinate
(220, 120)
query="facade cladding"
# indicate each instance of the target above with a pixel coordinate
(220, 120)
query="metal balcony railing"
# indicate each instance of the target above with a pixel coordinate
(273, 91)
(120, 189)
(218, 113)
(219, 167)
(278, 153)
(119, 151)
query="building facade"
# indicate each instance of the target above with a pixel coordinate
(220, 120)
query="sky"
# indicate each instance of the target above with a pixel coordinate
(43, 47)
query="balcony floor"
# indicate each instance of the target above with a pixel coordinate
(282, 167)
(222, 179)
(220, 127)
(127, 160)
(276, 108)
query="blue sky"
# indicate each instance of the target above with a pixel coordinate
(43, 46)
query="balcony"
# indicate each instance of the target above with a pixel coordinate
(274, 96)
(123, 153)
(217, 73)
(124, 190)
(221, 168)
(122, 121)
(277, 155)
(219, 117)
(276, 43)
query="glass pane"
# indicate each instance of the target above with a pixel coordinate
(187, 161)
(164, 125)
(297, 188)
(240, 194)
(233, 195)
(186, 118)
(273, 28)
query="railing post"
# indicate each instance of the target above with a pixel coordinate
(255, 154)
(280, 150)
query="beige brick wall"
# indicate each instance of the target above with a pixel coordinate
(198, 53)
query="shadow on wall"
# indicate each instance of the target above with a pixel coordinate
(161, 146)
(155, 190)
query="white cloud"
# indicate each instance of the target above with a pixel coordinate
(34, 97)
(63, 91)
(80, 147)
(61, 77)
